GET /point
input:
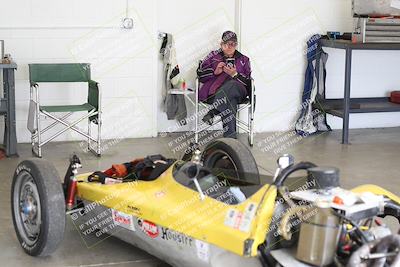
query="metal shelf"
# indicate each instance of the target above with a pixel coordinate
(358, 105)
(344, 107)
(344, 44)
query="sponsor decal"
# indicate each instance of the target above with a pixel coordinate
(238, 220)
(149, 228)
(203, 250)
(176, 237)
(122, 219)
(248, 217)
(233, 218)
(241, 220)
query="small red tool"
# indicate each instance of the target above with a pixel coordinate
(395, 97)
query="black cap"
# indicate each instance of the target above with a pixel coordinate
(324, 177)
(229, 36)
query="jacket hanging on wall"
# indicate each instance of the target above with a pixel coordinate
(174, 105)
(313, 119)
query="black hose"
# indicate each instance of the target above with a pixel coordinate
(364, 238)
(291, 169)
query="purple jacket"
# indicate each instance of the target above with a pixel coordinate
(212, 82)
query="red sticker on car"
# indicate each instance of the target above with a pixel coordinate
(148, 228)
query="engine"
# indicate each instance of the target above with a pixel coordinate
(323, 224)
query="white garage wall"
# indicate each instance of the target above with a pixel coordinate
(274, 34)
(123, 61)
(127, 65)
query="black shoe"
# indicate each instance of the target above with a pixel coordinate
(208, 118)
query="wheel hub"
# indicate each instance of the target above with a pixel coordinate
(29, 208)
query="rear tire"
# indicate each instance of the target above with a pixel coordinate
(38, 207)
(228, 153)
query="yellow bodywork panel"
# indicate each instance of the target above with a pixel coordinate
(167, 203)
(376, 190)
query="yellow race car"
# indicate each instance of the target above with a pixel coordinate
(209, 211)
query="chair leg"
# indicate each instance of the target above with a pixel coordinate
(99, 123)
(250, 124)
(39, 135)
(39, 128)
(237, 124)
(95, 150)
(32, 141)
(196, 118)
(89, 133)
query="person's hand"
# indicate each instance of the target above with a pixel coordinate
(231, 71)
(220, 68)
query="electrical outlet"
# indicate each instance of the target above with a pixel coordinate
(127, 23)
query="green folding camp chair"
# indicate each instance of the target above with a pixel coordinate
(63, 73)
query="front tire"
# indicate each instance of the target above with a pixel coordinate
(231, 154)
(38, 207)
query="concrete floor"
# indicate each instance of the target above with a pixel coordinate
(372, 157)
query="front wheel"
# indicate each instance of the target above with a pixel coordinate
(38, 207)
(233, 158)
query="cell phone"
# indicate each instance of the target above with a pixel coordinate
(230, 62)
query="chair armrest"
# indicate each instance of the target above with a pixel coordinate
(93, 94)
(94, 99)
(93, 83)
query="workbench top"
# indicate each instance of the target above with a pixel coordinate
(12, 65)
(345, 44)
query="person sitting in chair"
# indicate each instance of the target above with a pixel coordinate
(226, 77)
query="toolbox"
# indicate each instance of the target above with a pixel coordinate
(376, 21)
(377, 30)
(375, 8)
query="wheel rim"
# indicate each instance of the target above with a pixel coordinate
(219, 159)
(27, 209)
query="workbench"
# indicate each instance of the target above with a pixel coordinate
(344, 107)
(7, 108)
